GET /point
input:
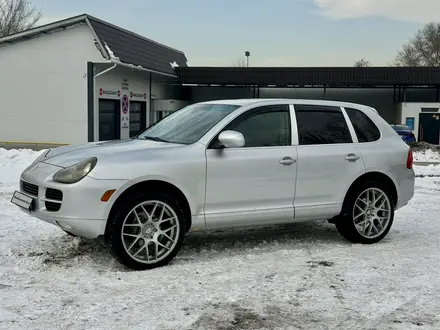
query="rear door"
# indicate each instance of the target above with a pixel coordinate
(328, 161)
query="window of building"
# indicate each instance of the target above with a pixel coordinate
(429, 109)
(321, 125)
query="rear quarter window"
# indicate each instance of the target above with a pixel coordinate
(364, 127)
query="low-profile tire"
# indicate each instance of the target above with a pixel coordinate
(366, 219)
(147, 231)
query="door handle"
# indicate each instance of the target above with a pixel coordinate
(352, 157)
(287, 161)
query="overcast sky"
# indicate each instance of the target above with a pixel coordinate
(276, 32)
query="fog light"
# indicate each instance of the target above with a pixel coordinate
(107, 195)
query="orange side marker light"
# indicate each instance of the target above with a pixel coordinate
(107, 195)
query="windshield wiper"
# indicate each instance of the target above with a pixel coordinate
(155, 138)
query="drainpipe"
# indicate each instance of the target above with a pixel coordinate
(96, 103)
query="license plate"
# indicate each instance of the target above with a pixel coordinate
(22, 200)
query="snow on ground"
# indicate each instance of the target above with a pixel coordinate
(301, 276)
(427, 156)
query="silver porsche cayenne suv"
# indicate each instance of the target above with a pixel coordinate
(225, 164)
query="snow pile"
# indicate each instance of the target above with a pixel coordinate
(427, 155)
(428, 170)
(13, 162)
(297, 276)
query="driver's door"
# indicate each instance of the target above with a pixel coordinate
(254, 184)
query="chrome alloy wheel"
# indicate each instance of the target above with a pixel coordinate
(150, 231)
(372, 213)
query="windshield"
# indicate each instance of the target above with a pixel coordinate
(189, 124)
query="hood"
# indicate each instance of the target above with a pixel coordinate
(71, 155)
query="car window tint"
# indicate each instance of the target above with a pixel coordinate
(265, 127)
(321, 125)
(364, 127)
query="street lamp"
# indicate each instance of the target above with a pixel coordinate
(247, 54)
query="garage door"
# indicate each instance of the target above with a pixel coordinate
(109, 120)
(137, 117)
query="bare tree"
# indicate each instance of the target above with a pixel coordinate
(17, 16)
(362, 63)
(423, 49)
(240, 63)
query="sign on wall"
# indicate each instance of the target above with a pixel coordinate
(109, 92)
(125, 118)
(138, 95)
(125, 86)
(410, 122)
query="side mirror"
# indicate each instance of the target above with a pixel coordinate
(231, 139)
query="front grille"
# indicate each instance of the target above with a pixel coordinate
(53, 207)
(29, 188)
(54, 194)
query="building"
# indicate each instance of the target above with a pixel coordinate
(68, 81)
(83, 79)
(401, 95)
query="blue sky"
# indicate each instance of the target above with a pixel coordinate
(277, 32)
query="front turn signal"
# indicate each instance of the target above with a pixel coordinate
(107, 195)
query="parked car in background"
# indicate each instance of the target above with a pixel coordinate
(405, 133)
(225, 164)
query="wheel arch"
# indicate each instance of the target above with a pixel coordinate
(155, 184)
(375, 176)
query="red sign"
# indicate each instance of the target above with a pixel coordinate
(131, 94)
(100, 91)
(119, 93)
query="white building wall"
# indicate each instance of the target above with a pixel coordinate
(43, 87)
(412, 110)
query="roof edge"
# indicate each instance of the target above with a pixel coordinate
(90, 17)
(44, 28)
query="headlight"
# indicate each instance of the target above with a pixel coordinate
(76, 172)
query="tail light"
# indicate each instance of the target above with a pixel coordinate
(410, 159)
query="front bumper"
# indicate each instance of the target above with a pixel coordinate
(81, 211)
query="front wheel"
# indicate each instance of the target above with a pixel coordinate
(147, 232)
(367, 215)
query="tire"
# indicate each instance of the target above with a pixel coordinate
(382, 221)
(144, 233)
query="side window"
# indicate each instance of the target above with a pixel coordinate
(267, 126)
(321, 125)
(364, 127)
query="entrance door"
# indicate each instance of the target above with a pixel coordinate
(137, 117)
(429, 127)
(109, 120)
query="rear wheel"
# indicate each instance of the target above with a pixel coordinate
(367, 215)
(147, 232)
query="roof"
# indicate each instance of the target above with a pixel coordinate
(127, 46)
(264, 101)
(311, 76)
